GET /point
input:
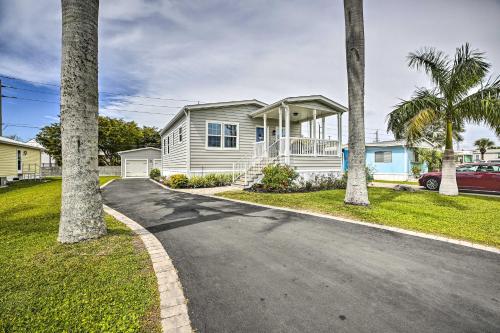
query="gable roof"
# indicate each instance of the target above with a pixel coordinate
(205, 106)
(145, 148)
(311, 98)
(19, 143)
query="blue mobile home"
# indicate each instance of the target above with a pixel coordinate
(391, 160)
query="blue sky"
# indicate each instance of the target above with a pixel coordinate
(229, 50)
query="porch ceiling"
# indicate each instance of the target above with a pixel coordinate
(297, 113)
(302, 108)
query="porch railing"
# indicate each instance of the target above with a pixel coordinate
(313, 147)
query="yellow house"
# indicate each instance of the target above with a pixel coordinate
(19, 160)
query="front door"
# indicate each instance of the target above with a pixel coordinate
(259, 134)
(19, 162)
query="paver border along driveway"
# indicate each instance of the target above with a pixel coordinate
(246, 268)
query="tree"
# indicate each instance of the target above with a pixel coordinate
(81, 207)
(150, 137)
(458, 96)
(114, 135)
(432, 157)
(483, 144)
(356, 192)
(50, 138)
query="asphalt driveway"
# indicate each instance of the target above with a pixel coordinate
(246, 268)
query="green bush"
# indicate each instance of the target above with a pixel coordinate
(210, 180)
(278, 178)
(197, 182)
(177, 181)
(416, 170)
(155, 174)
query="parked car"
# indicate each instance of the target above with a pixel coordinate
(473, 177)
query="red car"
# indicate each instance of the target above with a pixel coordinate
(471, 177)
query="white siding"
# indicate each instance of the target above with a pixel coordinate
(221, 160)
(175, 160)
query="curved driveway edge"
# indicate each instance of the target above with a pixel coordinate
(173, 309)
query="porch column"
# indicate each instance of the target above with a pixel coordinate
(265, 135)
(315, 134)
(280, 122)
(287, 135)
(339, 134)
(323, 130)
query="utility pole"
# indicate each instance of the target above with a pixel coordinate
(376, 136)
(1, 121)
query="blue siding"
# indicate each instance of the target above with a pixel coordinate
(401, 160)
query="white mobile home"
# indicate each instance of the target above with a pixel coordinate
(241, 137)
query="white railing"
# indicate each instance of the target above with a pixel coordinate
(241, 167)
(313, 147)
(259, 149)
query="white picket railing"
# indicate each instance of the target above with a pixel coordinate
(313, 147)
(259, 149)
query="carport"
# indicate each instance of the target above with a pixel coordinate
(137, 163)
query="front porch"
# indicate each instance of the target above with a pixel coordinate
(297, 137)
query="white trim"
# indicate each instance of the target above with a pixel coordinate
(222, 123)
(131, 150)
(188, 141)
(136, 159)
(209, 106)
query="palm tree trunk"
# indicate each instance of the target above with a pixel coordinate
(81, 210)
(356, 192)
(448, 173)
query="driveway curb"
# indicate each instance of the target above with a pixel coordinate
(373, 225)
(367, 224)
(173, 305)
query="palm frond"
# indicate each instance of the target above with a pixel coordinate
(483, 106)
(435, 63)
(409, 118)
(469, 70)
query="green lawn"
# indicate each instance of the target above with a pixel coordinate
(104, 285)
(466, 217)
(395, 182)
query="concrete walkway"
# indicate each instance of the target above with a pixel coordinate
(252, 269)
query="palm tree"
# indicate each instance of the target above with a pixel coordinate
(483, 144)
(458, 96)
(81, 209)
(356, 192)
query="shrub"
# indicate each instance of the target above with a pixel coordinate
(177, 181)
(210, 180)
(278, 178)
(197, 182)
(155, 174)
(416, 170)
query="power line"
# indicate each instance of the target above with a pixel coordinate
(104, 92)
(57, 94)
(102, 109)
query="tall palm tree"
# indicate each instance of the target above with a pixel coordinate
(81, 210)
(356, 192)
(483, 144)
(458, 96)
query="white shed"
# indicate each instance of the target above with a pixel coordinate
(137, 163)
